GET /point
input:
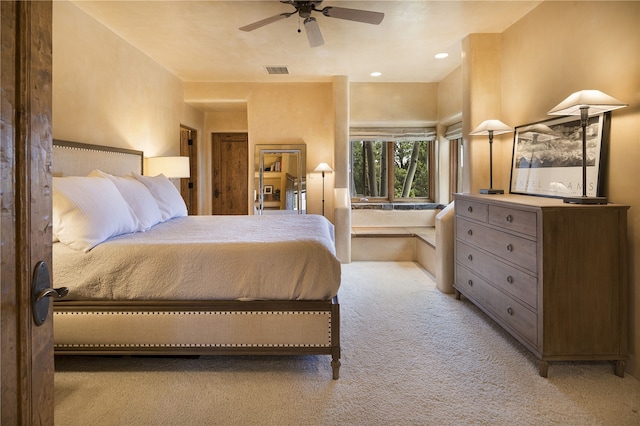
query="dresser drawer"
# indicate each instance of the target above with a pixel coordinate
(507, 278)
(506, 310)
(512, 313)
(470, 284)
(472, 210)
(520, 221)
(517, 250)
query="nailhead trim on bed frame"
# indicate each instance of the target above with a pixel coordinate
(200, 345)
(187, 345)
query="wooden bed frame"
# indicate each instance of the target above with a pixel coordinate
(184, 327)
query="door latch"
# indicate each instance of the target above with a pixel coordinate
(40, 292)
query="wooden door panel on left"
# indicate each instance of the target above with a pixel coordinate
(27, 349)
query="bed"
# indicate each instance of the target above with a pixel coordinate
(184, 285)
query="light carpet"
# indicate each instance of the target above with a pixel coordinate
(410, 356)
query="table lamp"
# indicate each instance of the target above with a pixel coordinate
(583, 103)
(491, 127)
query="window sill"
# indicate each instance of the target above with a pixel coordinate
(396, 206)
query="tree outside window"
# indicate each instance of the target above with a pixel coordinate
(395, 169)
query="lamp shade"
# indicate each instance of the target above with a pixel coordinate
(323, 167)
(595, 100)
(171, 167)
(495, 126)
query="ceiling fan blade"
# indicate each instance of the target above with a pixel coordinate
(264, 22)
(366, 16)
(313, 32)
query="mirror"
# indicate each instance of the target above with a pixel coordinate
(280, 179)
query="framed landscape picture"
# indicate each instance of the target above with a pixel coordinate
(547, 157)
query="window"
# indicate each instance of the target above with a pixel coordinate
(454, 135)
(392, 164)
(455, 168)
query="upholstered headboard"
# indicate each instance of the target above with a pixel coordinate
(79, 159)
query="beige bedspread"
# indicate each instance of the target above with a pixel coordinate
(290, 257)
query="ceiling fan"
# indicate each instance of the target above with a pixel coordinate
(304, 9)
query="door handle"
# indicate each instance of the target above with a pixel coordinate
(52, 292)
(41, 291)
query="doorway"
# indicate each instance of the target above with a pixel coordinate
(230, 170)
(189, 186)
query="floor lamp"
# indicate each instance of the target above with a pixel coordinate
(324, 168)
(491, 127)
(584, 103)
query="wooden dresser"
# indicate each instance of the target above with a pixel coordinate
(553, 275)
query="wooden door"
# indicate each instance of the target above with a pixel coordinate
(189, 186)
(26, 349)
(229, 171)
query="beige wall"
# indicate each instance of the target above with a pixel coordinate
(560, 48)
(276, 114)
(393, 104)
(106, 92)
(450, 95)
(481, 78)
(450, 98)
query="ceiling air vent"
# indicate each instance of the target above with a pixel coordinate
(277, 69)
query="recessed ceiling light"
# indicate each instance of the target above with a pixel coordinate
(442, 55)
(376, 74)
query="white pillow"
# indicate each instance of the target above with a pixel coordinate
(139, 198)
(88, 210)
(166, 194)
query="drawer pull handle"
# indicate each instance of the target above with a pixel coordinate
(509, 218)
(470, 232)
(509, 248)
(470, 282)
(510, 279)
(509, 310)
(470, 258)
(470, 209)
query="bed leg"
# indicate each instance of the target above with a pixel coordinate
(335, 366)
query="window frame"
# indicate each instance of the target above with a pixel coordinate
(391, 143)
(453, 134)
(455, 167)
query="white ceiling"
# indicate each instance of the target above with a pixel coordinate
(200, 40)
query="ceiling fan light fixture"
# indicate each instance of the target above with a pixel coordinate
(304, 8)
